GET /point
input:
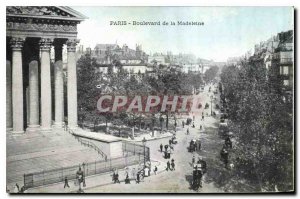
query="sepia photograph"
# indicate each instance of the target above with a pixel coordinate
(150, 99)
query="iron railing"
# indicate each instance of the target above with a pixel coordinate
(91, 168)
(136, 149)
(88, 144)
(91, 145)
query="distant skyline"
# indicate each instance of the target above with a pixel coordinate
(227, 31)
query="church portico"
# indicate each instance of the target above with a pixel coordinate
(31, 34)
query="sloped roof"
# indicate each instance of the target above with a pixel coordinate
(105, 46)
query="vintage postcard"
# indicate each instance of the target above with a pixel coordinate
(149, 99)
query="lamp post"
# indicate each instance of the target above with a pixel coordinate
(83, 175)
(144, 144)
(211, 98)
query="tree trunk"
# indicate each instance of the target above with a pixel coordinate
(95, 122)
(140, 121)
(105, 125)
(167, 121)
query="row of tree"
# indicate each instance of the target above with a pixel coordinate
(263, 122)
(92, 84)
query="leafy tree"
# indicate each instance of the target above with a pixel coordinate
(263, 125)
(211, 73)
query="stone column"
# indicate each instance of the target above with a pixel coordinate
(59, 85)
(72, 84)
(17, 85)
(46, 121)
(34, 113)
(8, 97)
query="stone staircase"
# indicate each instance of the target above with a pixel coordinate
(34, 152)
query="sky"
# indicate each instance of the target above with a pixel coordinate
(227, 31)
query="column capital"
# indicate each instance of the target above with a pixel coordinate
(45, 44)
(16, 43)
(71, 44)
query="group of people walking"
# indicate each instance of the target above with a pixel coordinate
(171, 166)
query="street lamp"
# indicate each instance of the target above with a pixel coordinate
(83, 175)
(211, 98)
(144, 144)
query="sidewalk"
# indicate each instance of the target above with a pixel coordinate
(149, 137)
(94, 181)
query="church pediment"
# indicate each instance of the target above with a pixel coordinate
(53, 12)
(42, 21)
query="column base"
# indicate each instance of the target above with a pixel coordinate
(9, 129)
(33, 128)
(17, 132)
(46, 130)
(58, 125)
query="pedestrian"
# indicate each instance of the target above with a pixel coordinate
(172, 160)
(166, 147)
(117, 178)
(198, 144)
(193, 159)
(200, 127)
(169, 153)
(170, 142)
(168, 166)
(127, 180)
(193, 125)
(191, 148)
(17, 188)
(66, 182)
(187, 131)
(182, 124)
(22, 190)
(138, 178)
(155, 170)
(173, 166)
(161, 147)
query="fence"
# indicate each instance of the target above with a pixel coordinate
(58, 175)
(136, 149)
(92, 145)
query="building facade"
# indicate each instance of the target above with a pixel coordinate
(31, 33)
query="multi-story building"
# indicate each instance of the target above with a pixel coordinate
(283, 59)
(110, 53)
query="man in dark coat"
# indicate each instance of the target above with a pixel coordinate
(155, 170)
(66, 182)
(173, 166)
(168, 166)
(161, 147)
(138, 178)
(127, 180)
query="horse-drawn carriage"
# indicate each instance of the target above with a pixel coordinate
(197, 176)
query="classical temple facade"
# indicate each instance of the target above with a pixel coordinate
(32, 103)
